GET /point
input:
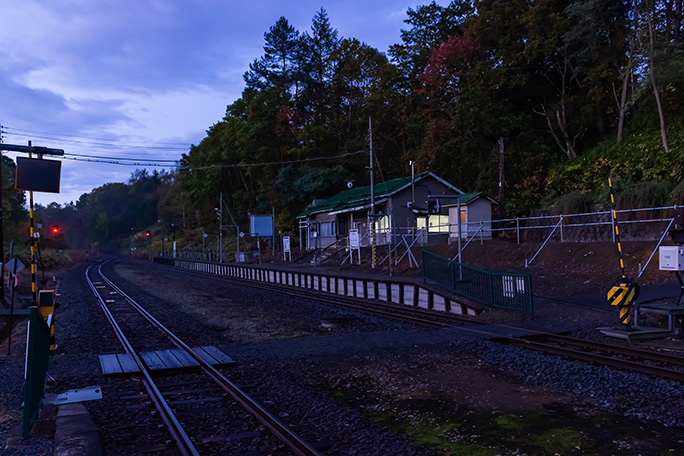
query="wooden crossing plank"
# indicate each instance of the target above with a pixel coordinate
(204, 355)
(122, 363)
(110, 365)
(127, 364)
(169, 359)
(218, 355)
(152, 360)
(186, 359)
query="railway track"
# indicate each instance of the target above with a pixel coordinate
(186, 402)
(648, 362)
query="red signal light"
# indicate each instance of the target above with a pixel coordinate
(147, 234)
(55, 229)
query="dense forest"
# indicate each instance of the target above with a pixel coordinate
(561, 94)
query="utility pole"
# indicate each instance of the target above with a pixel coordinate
(413, 183)
(501, 177)
(220, 217)
(237, 228)
(372, 192)
(2, 237)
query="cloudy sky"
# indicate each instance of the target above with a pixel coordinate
(144, 79)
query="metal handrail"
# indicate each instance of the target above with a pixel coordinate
(527, 263)
(667, 230)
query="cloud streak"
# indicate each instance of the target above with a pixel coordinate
(145, 71)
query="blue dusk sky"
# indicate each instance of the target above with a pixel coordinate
(144, 78)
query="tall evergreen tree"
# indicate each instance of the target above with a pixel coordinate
(279, 67)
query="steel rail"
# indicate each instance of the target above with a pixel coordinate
(447, 319)
(594, 358)
(279, 429)
(616, 349)
(180, 437)
(631, 366)
(649, 355)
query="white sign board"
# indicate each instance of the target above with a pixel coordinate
(354, 239)
(286, 243)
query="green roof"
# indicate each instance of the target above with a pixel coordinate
(466, 198)
(359, 197)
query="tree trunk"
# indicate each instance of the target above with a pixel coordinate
(663, 133)
(622, 105)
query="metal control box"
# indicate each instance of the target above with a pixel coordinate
(672, 258)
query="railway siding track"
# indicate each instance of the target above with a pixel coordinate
(647, 362)
(185, 399)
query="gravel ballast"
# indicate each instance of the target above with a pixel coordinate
(364, 386)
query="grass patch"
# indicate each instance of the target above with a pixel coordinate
(435, 421)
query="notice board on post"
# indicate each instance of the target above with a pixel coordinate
(38, 175)
(261, 225)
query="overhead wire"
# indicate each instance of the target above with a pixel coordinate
(114, 162)
(138, 161)
(105, 142)
(287, 162)
(121, 158)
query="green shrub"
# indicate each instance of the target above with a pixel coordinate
(53, 259)
(573, 203)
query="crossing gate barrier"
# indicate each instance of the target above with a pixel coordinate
(503, 290)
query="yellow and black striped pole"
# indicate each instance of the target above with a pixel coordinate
(34, 288)
(34, 247)
(625, 291)
(617, 231)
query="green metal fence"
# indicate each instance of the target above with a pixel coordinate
(511, 291)
(37, 355)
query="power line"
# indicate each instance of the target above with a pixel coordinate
(111, 145)
(157, 163)
(116, 162)
(86, 139)
(288, 162)
(121, 158)
(162, 163)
